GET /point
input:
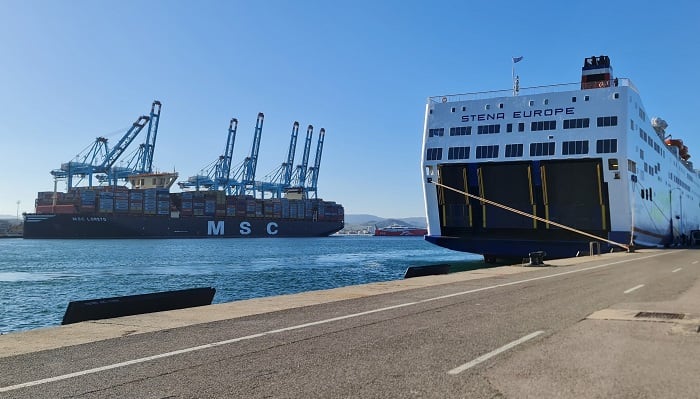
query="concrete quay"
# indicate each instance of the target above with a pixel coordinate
(571, 329)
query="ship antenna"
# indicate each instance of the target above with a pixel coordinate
(516, 78)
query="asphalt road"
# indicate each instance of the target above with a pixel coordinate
(519, 335)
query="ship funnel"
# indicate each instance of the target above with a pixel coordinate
(596, 73)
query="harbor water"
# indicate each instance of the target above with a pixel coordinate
(39, 277)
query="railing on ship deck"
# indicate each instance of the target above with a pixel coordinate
(481, 95)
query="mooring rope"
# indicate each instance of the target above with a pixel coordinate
(519, 212)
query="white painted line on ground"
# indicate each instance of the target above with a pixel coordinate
(694, 262)
(677, 270)
(491, 354)
(634, 288)
(299, 326)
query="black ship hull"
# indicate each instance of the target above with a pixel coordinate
(163, 226)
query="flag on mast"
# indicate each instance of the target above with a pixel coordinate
(517, 59)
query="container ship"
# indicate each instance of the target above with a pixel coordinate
(221, 203)
(560, 170)
(399, 230)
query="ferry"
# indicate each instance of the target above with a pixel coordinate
(560, 170)
(399, 230)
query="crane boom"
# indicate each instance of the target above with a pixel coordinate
(300, 173)
(289, 166)
(223, 172)
(252, 161)
(121, 146)
(313, 171)
(146, 164)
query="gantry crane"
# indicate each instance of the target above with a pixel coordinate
(299, 179)
(278, 180)
(244, 177)
(141, 161)
(218, 176)
(312, 182)
(98, 159)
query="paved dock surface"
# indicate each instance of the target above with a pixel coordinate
(569, 330)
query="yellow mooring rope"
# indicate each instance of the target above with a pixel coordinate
(519, 212)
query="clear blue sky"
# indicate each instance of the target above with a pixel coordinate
(75, 70)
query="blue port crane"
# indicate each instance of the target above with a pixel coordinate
(299, 178)
(141, 161)
(150, 143)
(281, 178)
(98, 158)
(218, 176)
(244, 177)
(312, 182)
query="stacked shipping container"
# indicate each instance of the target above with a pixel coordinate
(160, 202)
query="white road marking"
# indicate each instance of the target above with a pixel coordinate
(300, 326)
(634, 288)
(491, 354)
(677, 270)
(694, 262)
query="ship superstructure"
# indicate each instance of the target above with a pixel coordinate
(586, 156)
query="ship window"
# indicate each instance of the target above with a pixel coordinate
(546, 101)
(436, 132)
(606, 146)
(431, 112)
(531, 103)
(514, 150)
(574, 147)
(154, 181)
(607, 121)
(543, 125)
(433, 154)
(521, 127)
(486, 151)
(613, 164)
(632, 124)
(573, 99)
(586, 98)
(509, 128)
(616, 95)
(541, 149)
(500, 105)
(632, 166)
(487, 106)
(576, 123)
(453, 109)
(641, 154)
(651, 194)
(464, 109)
(642, 134)
(641, 192)
(458, 153)
(460, 131)
(488, 129)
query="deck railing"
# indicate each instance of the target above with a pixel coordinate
(481, 95)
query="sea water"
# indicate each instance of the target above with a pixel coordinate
(39, 277)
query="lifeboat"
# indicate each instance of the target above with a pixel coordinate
(676, 143)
